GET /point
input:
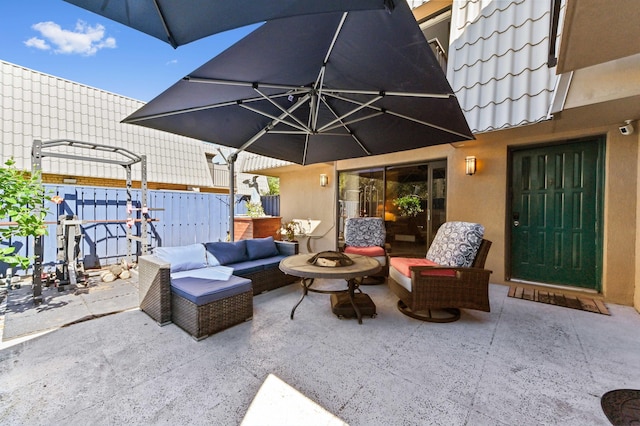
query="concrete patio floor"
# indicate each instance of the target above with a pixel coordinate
(524, 363)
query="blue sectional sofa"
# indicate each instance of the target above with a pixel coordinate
(204, 288)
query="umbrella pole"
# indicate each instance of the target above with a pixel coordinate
(232, 199)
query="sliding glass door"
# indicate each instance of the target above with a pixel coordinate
(411, 199)
(361, 194)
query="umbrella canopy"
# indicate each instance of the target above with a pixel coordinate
(181, 22)
(317, 88)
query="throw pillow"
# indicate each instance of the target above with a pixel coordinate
(228, 252)
(259, 248)
(183, 258)
(456, 244)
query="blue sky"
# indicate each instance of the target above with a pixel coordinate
(63, 40)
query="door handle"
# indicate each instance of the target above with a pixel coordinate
(516, 219)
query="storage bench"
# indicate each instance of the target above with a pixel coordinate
(202, 307)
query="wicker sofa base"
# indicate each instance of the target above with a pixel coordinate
(203, 321)
(154, 290)
(269, 279)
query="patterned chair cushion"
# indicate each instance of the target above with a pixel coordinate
(456, 244)
(364, 232)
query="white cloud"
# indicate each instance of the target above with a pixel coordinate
(83, 40)
(38, 43)
(172, 62)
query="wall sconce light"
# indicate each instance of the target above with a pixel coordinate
(470, 165)
(324, 180)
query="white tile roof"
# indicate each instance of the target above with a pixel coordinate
(498, 62)
(40, 106)
(247, 162)
(254, 162)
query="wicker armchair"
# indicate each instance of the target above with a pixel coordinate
(366, 236)
(450, 278)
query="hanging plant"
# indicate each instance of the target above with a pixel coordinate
(409, 205)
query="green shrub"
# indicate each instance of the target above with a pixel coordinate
(20, 196)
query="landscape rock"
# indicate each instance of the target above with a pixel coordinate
(115, 269)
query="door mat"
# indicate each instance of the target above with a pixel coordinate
(582, 303)
(622, 406)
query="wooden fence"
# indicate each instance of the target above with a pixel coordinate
(179, 218)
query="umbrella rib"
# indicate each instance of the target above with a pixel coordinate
(346, 123)
(425, 123)
(406, 117)
(355, 138)
(288, 132)
(301, 127)
(293, 132)
(170, 38)
(306, 148)
(272, 124)
(353, 111)
(335, 36)
(204, 108)
(241, 83)
(377, 92)
(301, 124)
(319, 86)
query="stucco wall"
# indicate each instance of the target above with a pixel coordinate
(302, 197)
(483, 197)
(636, 302)
(620, 214)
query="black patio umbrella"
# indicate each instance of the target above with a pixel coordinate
(179, 22)
(317, 88)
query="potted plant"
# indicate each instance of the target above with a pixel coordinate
(290, 229)
(255, 210)
(408, 205)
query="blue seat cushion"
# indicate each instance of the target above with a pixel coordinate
(202, 291)
(251, 266)
(272, 261)
(247, 267)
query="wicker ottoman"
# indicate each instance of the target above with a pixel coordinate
(202, 307)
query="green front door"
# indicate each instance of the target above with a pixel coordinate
(555, 212)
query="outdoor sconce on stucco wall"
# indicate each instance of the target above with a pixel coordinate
(470, 165)
(324, 180)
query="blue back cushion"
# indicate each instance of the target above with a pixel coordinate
(228, 252)
(183, 258)
(259, 248)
